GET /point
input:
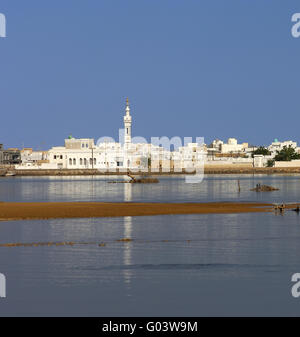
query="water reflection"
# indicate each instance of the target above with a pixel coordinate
(179, 260)
(127, 249)
(127, 192)
(174, 188)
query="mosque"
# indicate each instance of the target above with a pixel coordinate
(110, 156)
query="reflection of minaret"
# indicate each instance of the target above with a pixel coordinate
(127, 192)
(127, 124)
(127, 257)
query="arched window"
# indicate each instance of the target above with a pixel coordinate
(91, 161)
(74, 161)
(70, 161)
(94, 161)
(84, 161)
(80, 161)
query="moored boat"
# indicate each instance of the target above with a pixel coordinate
(10, 174)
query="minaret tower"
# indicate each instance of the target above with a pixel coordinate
(127, 124)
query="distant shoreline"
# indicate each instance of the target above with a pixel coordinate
(207, 170)
(59, 210)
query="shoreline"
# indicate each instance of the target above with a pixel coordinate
(207, 170)
(60, 210)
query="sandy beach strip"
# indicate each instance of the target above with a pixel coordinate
(52, 210)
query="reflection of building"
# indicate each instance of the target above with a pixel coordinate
(127, 256)
(127, 192)
(9, 156)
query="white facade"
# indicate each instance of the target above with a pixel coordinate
(232, 146)
(216, 145)
(108, 156)
(260, 160)
(278, 146)
(292, 163)
(112, 156)
(115, 156)
(29, 156)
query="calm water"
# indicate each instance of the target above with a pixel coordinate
(232, 264)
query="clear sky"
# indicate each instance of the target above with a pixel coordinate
(208, 68)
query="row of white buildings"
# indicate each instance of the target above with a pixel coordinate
(108, 155)
(129, 154)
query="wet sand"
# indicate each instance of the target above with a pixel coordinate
(52, 210)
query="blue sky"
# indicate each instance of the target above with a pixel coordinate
(208, 68)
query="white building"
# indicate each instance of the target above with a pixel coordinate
(29, 156)
(193, 155)
(109, 156)
(278, 146)
(216, 145)
(77, 153)
(105, 156)
(232, 146)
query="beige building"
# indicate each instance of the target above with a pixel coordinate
(232, 146)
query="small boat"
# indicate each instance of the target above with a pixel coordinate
(10, 174)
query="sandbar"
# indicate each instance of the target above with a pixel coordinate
(52, 210)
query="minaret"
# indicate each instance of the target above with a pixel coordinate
(127, 124)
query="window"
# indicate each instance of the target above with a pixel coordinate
(82, 145)
(84, 161)
(70, 161)
(95, 161)
(86, 145)
(127, 131)
(80, 161)
(74, 161)
(91, 161)
(61, 157)
(54, 156)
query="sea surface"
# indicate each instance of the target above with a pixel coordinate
(170, 265)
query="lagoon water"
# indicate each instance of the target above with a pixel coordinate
(183, 265)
